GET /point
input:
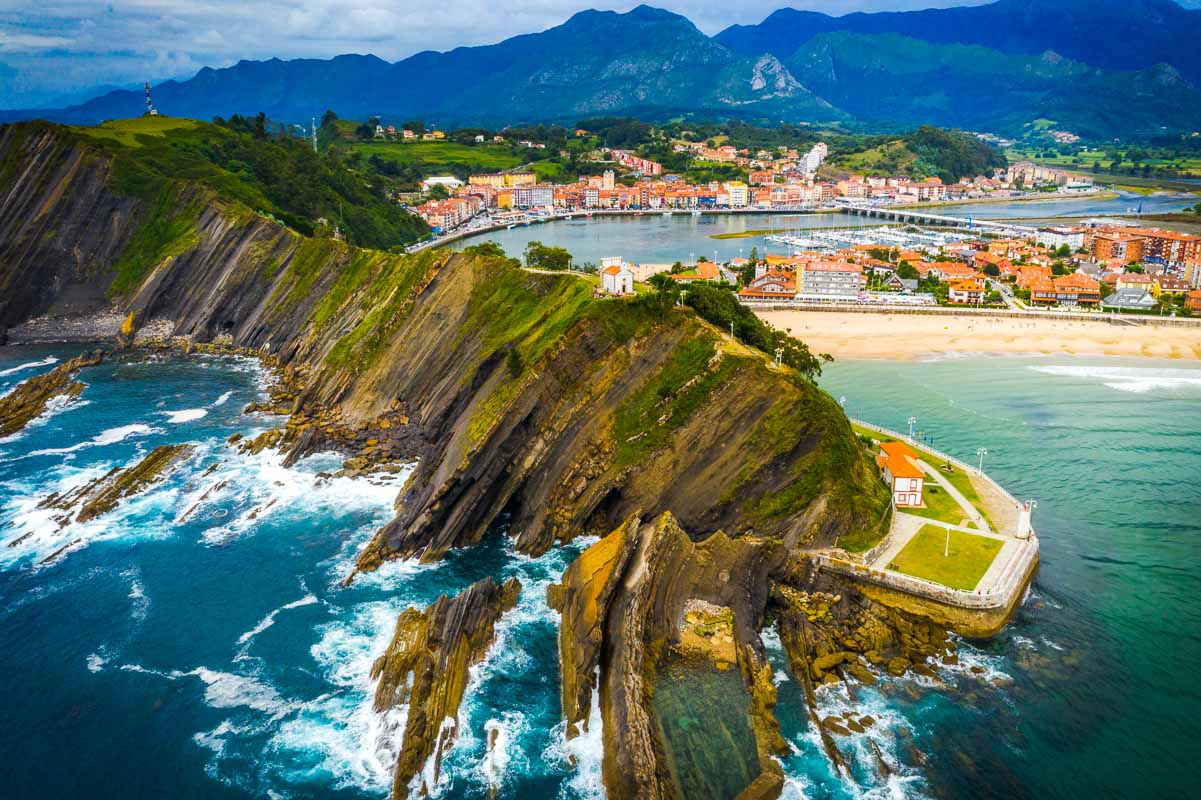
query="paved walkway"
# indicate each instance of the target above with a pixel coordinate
(969, 510)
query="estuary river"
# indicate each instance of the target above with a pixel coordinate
(195, 648)
(656, 239)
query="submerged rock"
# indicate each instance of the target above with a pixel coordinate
(426, 667)
(30, 399)
(103, 494)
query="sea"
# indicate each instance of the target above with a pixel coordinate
(197, 642)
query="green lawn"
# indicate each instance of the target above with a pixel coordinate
(963, 482)
(481, 157)
(970, 557)
(939, 505)
(127, 131)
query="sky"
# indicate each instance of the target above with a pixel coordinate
(55, 52)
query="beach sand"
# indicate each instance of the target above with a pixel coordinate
(910, 336)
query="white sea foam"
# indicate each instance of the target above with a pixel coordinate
(45, 362)
(341, 732)
(54, 406)
(586, 751)
(223, 399)
(269, 620)
(229, 690)
(96, 662)
(110, 436)
(260, 486)
(185, 415)
(1138, 380)
(903, 780)
(38, 532)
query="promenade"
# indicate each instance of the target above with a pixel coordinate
(994, 522)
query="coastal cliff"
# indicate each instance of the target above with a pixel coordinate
(515, 392)
(524, 399)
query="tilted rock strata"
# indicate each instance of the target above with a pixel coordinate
(516, 393)
(30, 399)
(102, 495)
(426, 667)
(647, 601)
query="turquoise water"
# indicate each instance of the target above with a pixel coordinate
(214, 654)
(655, 239)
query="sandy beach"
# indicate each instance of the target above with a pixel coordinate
(911, 336)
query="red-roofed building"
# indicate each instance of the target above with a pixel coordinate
(966, 292)
(773, 285)
(901, 472)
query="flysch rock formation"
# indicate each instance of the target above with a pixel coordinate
(31, 398)
(426, 669)
(521, 397)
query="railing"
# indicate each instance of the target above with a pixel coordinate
(917, 308)
(999, 597)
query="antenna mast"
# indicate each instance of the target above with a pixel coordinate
(314, 128)
(151, 111)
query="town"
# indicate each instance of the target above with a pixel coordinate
(1101, 264)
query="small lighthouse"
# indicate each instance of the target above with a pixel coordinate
(1024, 511)
(151, 111)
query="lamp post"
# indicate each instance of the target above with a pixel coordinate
(912, 422)
(946, 551)
(982, 452)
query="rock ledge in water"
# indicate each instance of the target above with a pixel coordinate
(425, 667)
(30, 399)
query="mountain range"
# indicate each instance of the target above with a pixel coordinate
(1096, 67)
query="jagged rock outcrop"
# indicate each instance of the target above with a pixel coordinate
(425, 667)
(102, 495)
(686, 690)
(31, 397)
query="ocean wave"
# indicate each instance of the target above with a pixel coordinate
(45, 362)
(185, 415)
(36, 533)
(586, 750)
(259, 486)
(110, 436)
(1137, 380)
(269, 620)
(223, 399)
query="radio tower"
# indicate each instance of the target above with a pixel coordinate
(151, 111)
(314, 128)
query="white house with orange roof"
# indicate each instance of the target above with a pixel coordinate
(901, 472)
(616, 277)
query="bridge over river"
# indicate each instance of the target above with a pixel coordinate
(921, 217)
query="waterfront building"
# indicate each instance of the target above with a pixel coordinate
(966, 292)
(898, 464)
(829, 280)
(773, 285)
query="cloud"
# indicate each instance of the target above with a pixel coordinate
(65, 47)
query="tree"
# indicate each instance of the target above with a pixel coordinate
(754, 254)
(748, 274)
(667, 292)
(438, 192)
(364, 131)
(415, 125)
(991, 270)
(328, 118)
(907, 271)
(541, 256)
